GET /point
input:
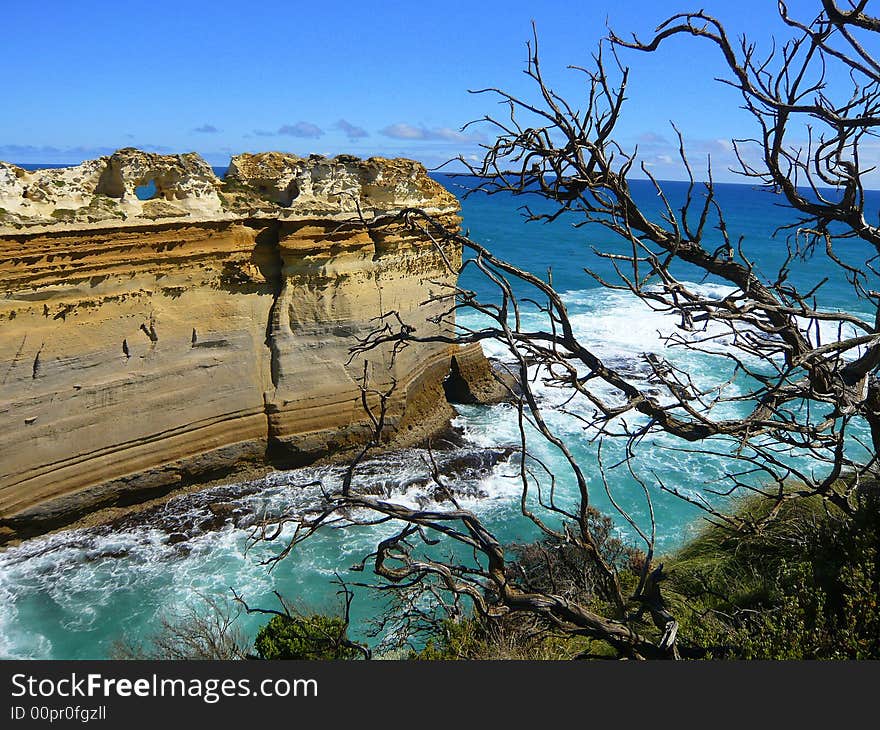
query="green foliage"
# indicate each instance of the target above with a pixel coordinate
(305, 637)
(456, 640)
(804, 588)
(512, 637)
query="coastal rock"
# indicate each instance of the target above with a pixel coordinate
(472, 378)
(318, 185)
(107, 188)
(266, 184)
(138, 356)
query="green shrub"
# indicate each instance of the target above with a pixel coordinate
(305, 637)
(510, 637)
(805, 588)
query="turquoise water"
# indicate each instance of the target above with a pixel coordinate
(73, 594)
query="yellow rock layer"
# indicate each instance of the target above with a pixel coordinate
(138, 356)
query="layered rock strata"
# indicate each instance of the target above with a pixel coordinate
(147, 344)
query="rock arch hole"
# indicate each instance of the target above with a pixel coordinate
(147, 190)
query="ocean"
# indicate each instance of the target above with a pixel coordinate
(73, 594)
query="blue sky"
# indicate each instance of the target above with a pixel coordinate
(81, 79)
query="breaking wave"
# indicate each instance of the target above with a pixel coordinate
(74, 593)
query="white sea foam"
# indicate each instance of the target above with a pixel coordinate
(93, 582)
(619, 324)
(100, 584)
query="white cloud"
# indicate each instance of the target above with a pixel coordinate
(402, 130)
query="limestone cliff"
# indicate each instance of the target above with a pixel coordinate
(149, 344)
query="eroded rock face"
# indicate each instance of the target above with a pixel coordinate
(185, 182)
(106, 189)
(267, 183)
(319, 185)
(137, 356)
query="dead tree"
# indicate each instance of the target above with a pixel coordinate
(204, 632)
(811, 398)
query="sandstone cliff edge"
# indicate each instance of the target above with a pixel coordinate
(149, 344)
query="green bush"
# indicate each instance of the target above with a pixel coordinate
(805, 588)
(305, 637)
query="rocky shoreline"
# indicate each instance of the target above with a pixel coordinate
(202, 507)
